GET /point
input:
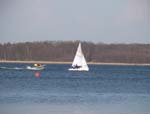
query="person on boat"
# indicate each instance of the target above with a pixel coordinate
(37, 65)
(76, 66)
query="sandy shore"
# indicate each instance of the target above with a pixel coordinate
(61, 62)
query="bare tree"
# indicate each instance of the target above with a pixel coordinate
(65, 51)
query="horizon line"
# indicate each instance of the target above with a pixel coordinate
(82, 41)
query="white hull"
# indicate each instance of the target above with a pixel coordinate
(35, 68)
(78, 69)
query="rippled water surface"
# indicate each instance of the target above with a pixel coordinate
(103, 90)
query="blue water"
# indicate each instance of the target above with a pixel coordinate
(105, 89)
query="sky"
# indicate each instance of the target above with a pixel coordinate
(106, 21)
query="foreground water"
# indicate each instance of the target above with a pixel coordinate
(102, 90)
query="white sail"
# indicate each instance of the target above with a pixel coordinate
(79, 60)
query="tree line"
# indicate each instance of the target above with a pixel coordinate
(65, 51)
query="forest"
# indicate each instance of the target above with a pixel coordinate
(65, 51)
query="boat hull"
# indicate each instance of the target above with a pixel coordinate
(34, 68)
(78, 69)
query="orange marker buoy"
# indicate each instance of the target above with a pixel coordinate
(37, 74)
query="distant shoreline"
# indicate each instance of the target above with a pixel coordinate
(61, 62)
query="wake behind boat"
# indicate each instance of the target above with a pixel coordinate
(79, 62)
(36, 67)
(11, 68)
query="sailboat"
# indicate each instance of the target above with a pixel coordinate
(79, 62)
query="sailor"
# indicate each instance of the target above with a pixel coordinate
(76, 66)
(36, 65)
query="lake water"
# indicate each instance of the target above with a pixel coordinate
(105, 89)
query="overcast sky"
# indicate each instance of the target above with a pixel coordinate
(108, 21)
